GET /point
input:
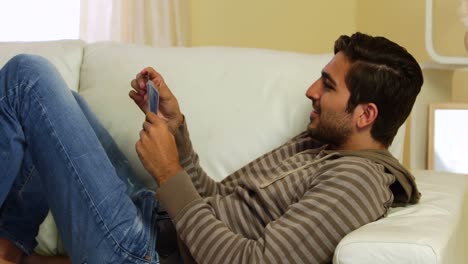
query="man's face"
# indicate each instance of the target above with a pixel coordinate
(329, 121)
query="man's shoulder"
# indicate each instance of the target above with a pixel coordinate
(355, 161)
(353, 167)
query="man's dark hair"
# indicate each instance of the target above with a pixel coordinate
(383, 73)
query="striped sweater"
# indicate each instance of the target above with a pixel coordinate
(291, 205)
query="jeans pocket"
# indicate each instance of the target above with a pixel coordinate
(148, 207)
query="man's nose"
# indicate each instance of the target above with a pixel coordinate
(314, 91)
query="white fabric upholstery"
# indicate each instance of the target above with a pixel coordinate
(65, 55)
(239, 104)
(433, 231)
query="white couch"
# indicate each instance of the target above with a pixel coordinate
(248, 101)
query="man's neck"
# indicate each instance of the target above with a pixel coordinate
(360, 143)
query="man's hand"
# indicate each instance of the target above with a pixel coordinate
(157, 149)
(168, 105)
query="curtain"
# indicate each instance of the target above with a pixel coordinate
(160, 23)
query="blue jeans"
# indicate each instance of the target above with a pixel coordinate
(55, 155)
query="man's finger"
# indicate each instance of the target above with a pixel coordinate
(135, 85)
(142, 134)
(153, 118)
(146, 126)
(135, 96)
(152, 73)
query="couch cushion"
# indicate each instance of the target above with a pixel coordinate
(239, 103)
(65, 55)
(433, 231)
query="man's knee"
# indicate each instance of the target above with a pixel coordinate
(23, 71)
(27, 66)
(27, 60)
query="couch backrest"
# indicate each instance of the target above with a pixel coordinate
(239, 103)
(66, 55)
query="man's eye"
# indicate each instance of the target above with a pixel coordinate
(327, 85)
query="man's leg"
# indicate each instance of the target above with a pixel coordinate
(24, 208)
(117, 158)
(38, 115)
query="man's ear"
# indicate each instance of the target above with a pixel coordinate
(369, 113)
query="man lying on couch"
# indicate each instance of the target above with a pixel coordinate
(291, 205)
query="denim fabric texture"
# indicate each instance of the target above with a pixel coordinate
(54, 154)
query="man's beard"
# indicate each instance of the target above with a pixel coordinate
(333, 128)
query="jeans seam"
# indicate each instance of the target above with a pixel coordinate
(9, 92)
(77, 178)
(27, 179)
(21, 187)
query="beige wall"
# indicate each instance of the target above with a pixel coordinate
(399, 20)
(460, 86)
(309, 26)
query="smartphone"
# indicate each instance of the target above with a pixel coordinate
(153, 96)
